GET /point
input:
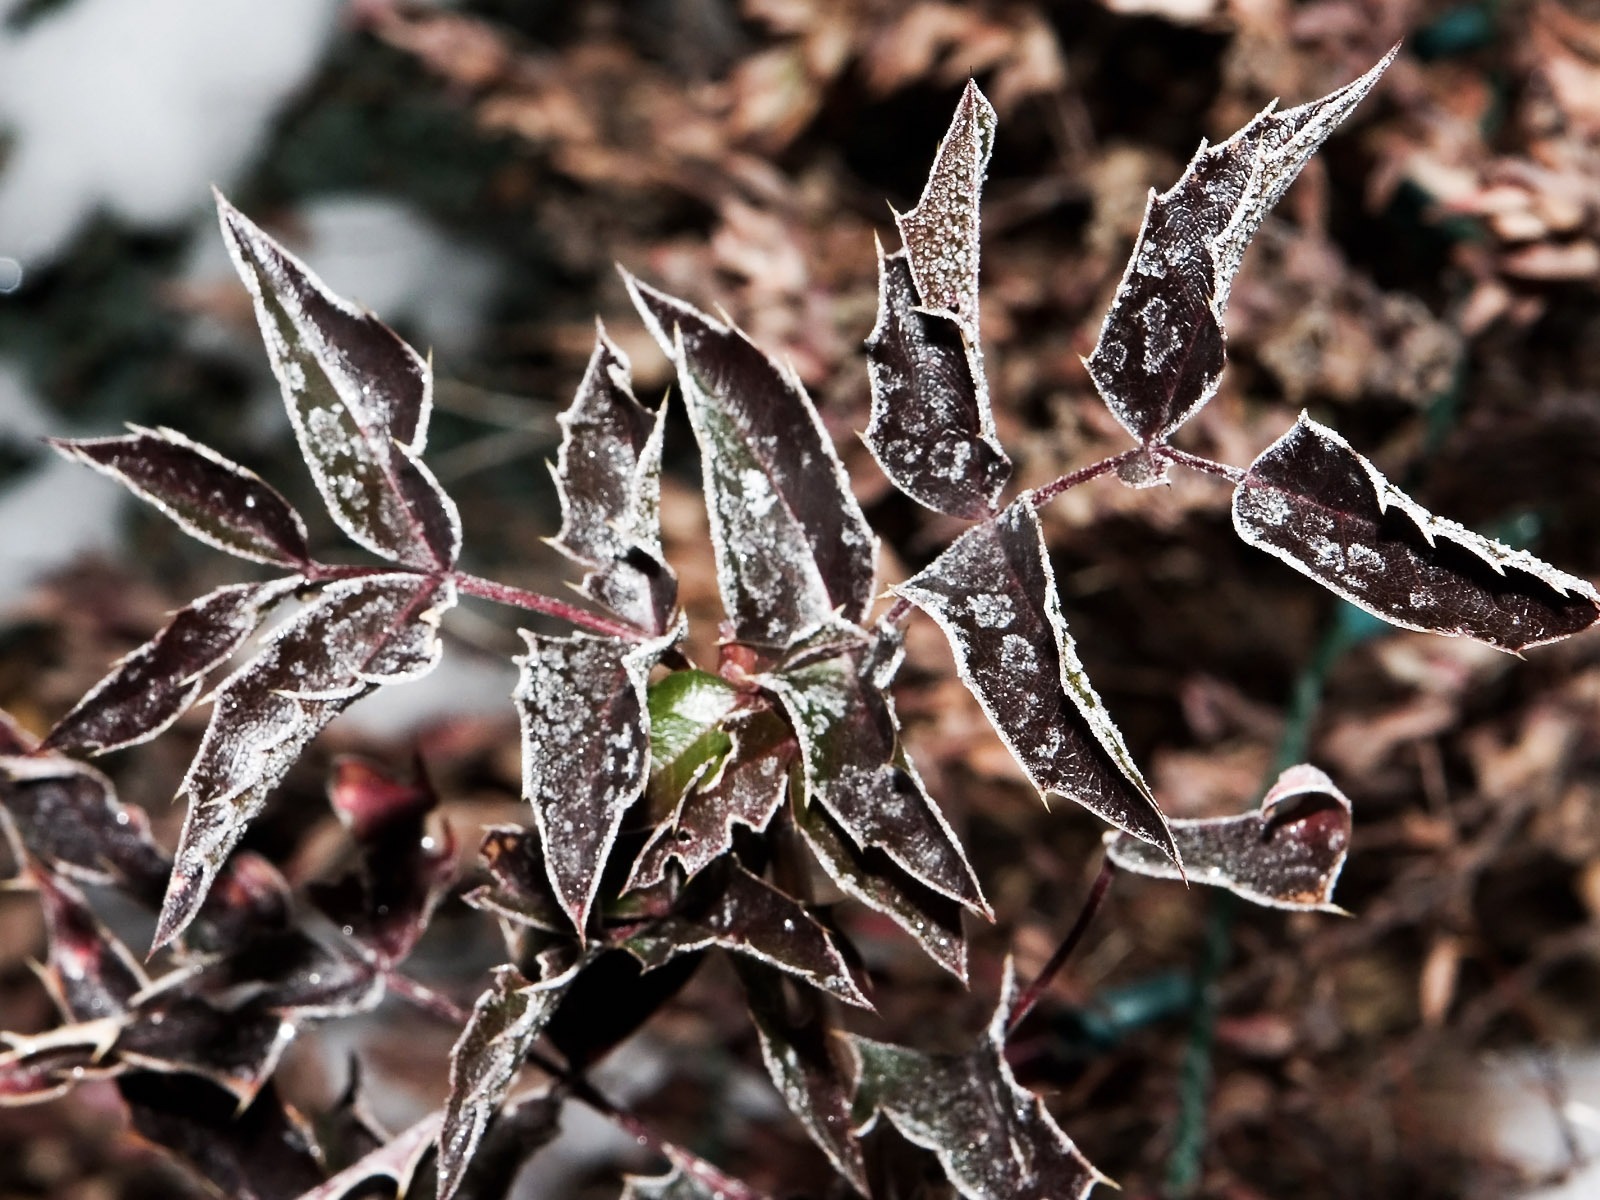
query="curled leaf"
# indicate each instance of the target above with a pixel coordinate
(1287, 855)
(521, 891)
(89, 971)
(585, 751)
(931, 428)
(359, 399)
(993, 593)
(357, 635)
(791, 543)
(210, 497)
(1312, 501)
(1162, 347)
(608, 477)
(994, 1139)
(153, 686)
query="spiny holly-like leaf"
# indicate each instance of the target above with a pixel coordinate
(290, 972)
(521, 892)
(404, 868)
(505, 1022)
(608, 477)
(235, 1049)
(359, 400)
(747, 787)
(1287, 855)
(262, 1153)
(153, 686)
(585, 751)
(993, 593)
(212, 498)
(395, 1160)
(809, 1067)
(691, 1178)
(994, 1139)
(871, 877)
(1161, 350)
(89, 971)
(1313, 502)
(746, 916)
(68, 817)
(931, 428)
(941, 232)
(523, 1127)
(34, 1070)
(849, 746)
(687, 711)
(355, 636)
(791, 543)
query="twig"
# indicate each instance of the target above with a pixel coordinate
(1042, 981)
(488, 589)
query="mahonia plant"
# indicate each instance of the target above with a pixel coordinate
(786, 749)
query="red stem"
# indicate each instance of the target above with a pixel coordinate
(1050, 491)
(1036, 989)
(1195, 462)
(488, 589)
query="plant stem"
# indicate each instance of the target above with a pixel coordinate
(488, 589)
(1041, 983)
(1195, 462)
(1042, 496)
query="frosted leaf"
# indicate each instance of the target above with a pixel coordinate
(358, 634)
(151, 687)
(1286, 855)
(395, 1160)
(210, 497)
(1312, 501)
(89, 972)
(608, 477)
(748, 917)
(941, 232)
(931, 428)
(1025, 672)
(849, 750)
(359, 400)
(812, 1070)
(871, 877)
(993, 1137)
(520, 894)
(791, 543)
(506, 1021)
(747, 787)
(1162, 347)
(585, 751)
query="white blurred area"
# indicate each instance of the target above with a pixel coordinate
(1537, 1112)
(137, 107)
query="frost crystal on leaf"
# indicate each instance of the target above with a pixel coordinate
(585, 750)
(1312, 501)
(1162, 347)
(1286, 855)
(359, 400)
(1025, 670)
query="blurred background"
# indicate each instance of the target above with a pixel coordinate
(472, 171)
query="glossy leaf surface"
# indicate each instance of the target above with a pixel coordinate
(993, 593)
(1312, 501)
(1286, 855)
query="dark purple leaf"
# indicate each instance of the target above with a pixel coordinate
(994, 594)
(153, 686)
(941, 232)
(609, 480)
(585, 751)
(746, 916)
(748, 787)
(262, 1153)
(1161, 350)
(1312, 501)
(404, 869)
(691, 1178)
(505, 1022)
(396, 1160)
(1287, 855)
(807, 1063)
(249, 899)
(68, 817)
(212, 498)
(849, 747)
(994, 1139)
(355, 636)
(872, 878)
(235, 1049)
(89, 971)
(931, 429)
(521, 892)
(359, 400)
(292, 973)
(522, 1128)
(34, 1070)
(791, 543)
